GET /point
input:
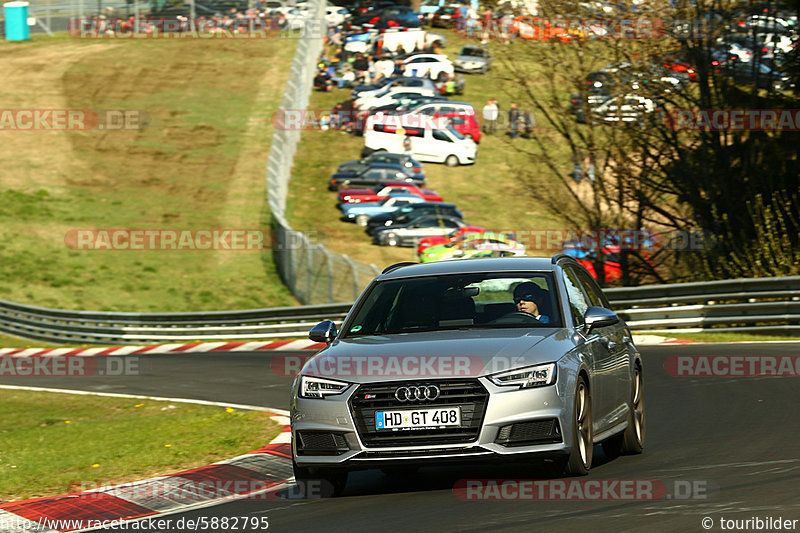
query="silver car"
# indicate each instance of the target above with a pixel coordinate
(484, 359)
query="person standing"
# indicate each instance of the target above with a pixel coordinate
(514, 117)
(490, 113)
(528, 123)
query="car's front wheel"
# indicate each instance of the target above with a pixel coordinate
(362, 220)
(580, 457)
(318, 482)
(451, 161)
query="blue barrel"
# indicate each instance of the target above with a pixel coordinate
(16, 14)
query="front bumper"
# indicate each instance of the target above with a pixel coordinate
(498, 423)
(468, 68)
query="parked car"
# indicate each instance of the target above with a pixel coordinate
(424, 226)
(361, 213)
(404, 215)
(526, 388)
(392, 84)
(390, 95)
(359, 196)
(628, 108)
(437, 114)
(427, 242)
(444, 145)
(372, 175)
(375, 158)
(472, 245)
(335, 15)
(445, 16)
(404, 16)
(435, 66)
(473, 58)
(756, 73)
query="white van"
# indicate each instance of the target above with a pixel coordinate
(435, 145)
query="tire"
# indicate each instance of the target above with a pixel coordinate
(362, 220)
(630, 441)
(451, 161)
(391, 239)
(580, 458)
(634, 435)
(777, 86)
(319, 482)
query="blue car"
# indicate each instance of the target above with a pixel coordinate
(361, 213)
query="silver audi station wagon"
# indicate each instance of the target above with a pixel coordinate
(482, 359)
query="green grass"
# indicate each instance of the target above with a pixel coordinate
(488, 193)
(724, 337)
(53, 443)
(198, 165)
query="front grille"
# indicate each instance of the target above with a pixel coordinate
(321, 443)
(468, 394)
(527, 433)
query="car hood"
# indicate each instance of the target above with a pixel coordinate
(471, 58)
(438, 354)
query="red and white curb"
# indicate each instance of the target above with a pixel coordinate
(256, 475)
(650, 340)
(205, 347)
(196, 347)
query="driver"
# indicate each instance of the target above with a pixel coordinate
(527, 297)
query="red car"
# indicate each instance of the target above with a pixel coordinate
(678, 65)
(357, 196)
(427, 242)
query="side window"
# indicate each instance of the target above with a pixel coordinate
(577, 300)
(592, 290)
(375, 173)
(440, 136)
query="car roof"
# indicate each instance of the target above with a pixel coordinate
(468, 266)
(392, 166)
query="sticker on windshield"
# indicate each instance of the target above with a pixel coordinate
(355, 329)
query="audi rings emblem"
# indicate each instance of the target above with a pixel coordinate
(417, 394)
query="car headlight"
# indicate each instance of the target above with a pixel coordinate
(320, 388)
(526, 378)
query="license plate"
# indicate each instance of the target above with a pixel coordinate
(419, 418)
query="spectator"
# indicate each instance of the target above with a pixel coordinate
(528, 123)
(487, 24)
(490, 113)
(513, 121)
(407, 144)
(461, 21)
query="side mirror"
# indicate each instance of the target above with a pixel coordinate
(325, 332)
(598, 317)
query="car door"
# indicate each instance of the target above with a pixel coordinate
(619, 354)
(601, 382)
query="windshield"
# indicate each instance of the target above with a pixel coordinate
(458, 301)
(455, 133)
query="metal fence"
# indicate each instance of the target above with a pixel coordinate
(313, 273)
(764, 305)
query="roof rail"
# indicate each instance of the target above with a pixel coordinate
(395, 266)
(559, 256)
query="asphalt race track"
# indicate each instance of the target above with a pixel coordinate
(722, 447)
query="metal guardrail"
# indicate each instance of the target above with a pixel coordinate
(763, 305)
